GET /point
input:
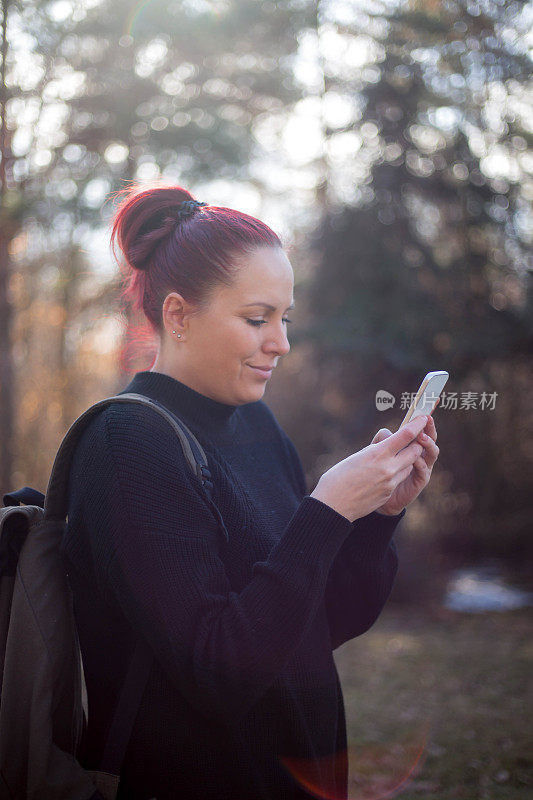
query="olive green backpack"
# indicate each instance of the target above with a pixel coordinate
(43, 701)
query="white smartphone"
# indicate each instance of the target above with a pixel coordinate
(427, 396)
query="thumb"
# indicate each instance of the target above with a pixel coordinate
(382, 434)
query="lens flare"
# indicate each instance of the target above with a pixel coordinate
(376, 771)
(134, 16)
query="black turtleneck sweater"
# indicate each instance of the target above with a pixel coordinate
(243, 701)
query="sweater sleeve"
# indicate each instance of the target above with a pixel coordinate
(362, 574)
(159, 550)
(361, 577)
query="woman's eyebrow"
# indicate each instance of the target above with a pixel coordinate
(267, 305)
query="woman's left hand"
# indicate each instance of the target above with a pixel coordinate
(419, 476)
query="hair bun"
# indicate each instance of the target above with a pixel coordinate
(142, 248)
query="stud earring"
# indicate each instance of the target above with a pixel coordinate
(179, 334)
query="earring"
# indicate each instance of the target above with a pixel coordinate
(179, 334)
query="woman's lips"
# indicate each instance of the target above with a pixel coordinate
(265, 373)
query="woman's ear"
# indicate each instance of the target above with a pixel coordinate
(176, 311)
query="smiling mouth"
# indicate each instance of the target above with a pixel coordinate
(264, 371)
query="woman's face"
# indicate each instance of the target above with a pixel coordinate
(243, 328)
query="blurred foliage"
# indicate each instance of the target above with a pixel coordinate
(137, 90)
(434, 231)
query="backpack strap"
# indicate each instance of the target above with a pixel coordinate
(56, 501)
(126, 710)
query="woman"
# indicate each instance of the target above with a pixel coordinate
(243, 701)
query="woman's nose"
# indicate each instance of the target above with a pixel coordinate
(278, 344)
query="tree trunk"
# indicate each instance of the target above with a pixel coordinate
(7, 416)
(6, 355)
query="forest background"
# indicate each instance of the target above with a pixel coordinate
(387, 142)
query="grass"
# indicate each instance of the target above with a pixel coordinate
(438, 705)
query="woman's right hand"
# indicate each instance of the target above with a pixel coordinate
(365, 480)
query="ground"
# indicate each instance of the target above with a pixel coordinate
(439, 705)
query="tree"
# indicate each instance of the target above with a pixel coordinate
(12, 210)
(422, 257)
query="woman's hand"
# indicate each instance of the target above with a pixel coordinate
(367, 480)
(420, 474)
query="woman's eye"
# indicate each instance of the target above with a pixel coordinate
(258, 322)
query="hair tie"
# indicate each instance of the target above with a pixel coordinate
(187, 208)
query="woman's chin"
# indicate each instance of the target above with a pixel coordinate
(255, 392)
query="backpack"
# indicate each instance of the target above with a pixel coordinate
(43, 696)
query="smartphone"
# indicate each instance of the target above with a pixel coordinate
(427, 396)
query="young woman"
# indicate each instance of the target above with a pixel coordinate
(243, 701)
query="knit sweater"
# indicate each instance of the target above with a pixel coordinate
(243, 701)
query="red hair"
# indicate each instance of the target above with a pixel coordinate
(191, 257)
